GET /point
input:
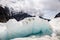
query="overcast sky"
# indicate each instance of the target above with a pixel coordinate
(49, 8)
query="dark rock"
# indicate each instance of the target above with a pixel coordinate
(58, 15)
(20, 16)
(4, 14)
(44, 18)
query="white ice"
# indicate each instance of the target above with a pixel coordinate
(3, 31)
(55, 24)
(40, 38)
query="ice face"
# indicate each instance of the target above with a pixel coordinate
(55, 24)
(3, 32)
(28, 26)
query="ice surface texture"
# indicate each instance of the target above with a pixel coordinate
(26, 27)
(40, 38)
(3, 32)
(56, 25)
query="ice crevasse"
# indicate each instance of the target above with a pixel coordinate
(28, 26)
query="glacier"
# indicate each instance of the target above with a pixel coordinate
(31, 26)
(27, 27)
(56, 25)
(40, 38)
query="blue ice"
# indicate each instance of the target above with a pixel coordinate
(28, 27)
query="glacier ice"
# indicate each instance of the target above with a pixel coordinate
(3, 31)
(55, 24)
(40, 38)
(26, 27)
(33, 25)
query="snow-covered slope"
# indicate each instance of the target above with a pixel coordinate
(55, 24)
(40, 38)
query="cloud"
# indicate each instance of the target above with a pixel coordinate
(34, 7)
